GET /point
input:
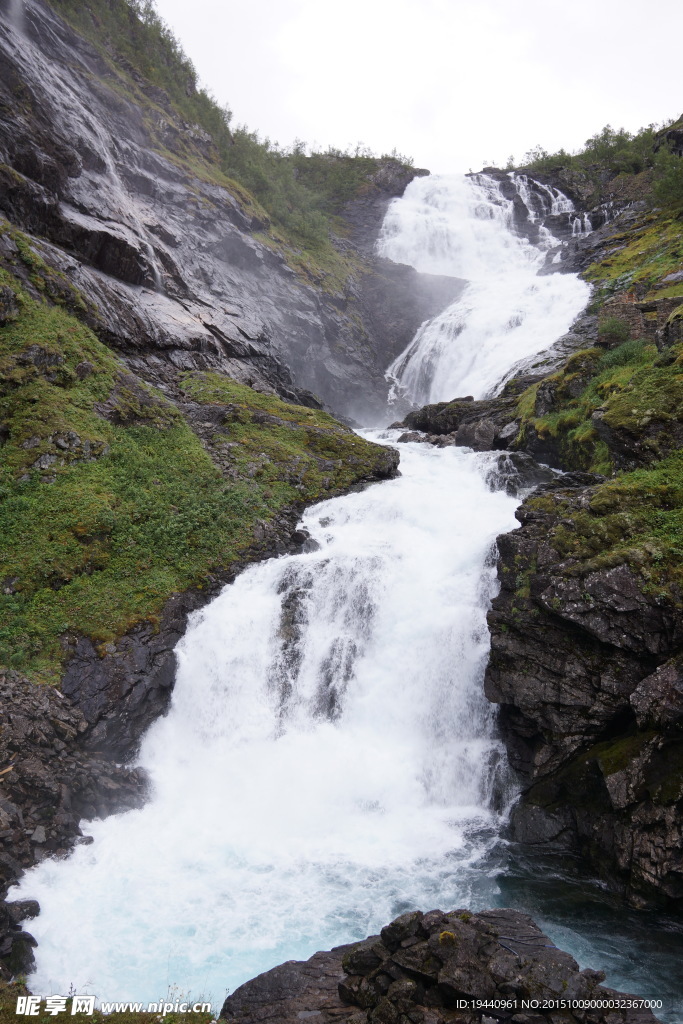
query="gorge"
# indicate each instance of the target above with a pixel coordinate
(324, 757)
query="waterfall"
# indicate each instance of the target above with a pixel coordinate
(464, 227)
(328, 760)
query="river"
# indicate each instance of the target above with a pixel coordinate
(329, 760)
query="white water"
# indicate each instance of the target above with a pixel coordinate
(463, 227)
(328, 760)
(318, 772)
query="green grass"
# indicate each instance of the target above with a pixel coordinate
(289, 449)
(642, 256)
(102, 519)
(636, 518)
(628, 383)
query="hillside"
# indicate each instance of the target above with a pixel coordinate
(191, 322)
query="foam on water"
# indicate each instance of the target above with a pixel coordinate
(327, 761)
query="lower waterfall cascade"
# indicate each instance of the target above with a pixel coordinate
(329, 760)
(463, 226)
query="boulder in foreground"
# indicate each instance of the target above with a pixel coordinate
(437, 968)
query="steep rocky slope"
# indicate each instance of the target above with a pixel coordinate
(586, 631)
(183, 265)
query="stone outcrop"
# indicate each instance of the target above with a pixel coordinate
(585, 667)
(489, 424)
(437, 968)
(49, 782)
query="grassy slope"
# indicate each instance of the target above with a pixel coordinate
(109, 501)
(634, 386)
(642, 256)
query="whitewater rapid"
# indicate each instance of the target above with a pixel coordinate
(328, 760)
(463, 226)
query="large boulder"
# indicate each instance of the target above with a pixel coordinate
(437, 968)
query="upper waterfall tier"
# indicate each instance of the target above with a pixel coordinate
(465, 227)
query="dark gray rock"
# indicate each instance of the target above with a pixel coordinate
(430, 969)
(489, 424)
(50, 782)
(585, 668)
(8, 305)
(166, 260)
(658, 699)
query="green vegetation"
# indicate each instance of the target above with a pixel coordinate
(109, 502)
(628, 353)
(628, 384)
(617, 150)
(613, 330)
(289, 450)
(297, 195)
(635, 518)
(641, 257)
(668, 185)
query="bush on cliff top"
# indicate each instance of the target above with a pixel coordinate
(616, 149)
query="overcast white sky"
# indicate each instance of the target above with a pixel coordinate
(453, 83)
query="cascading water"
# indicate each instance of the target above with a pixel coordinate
(464, 227)
(327, 762)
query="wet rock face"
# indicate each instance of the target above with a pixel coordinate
(49, 783)
(490, 424)
(434, 968)
(586, 669)
(169, 260)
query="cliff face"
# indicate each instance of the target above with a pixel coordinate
(132, 206)
(585, 664)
